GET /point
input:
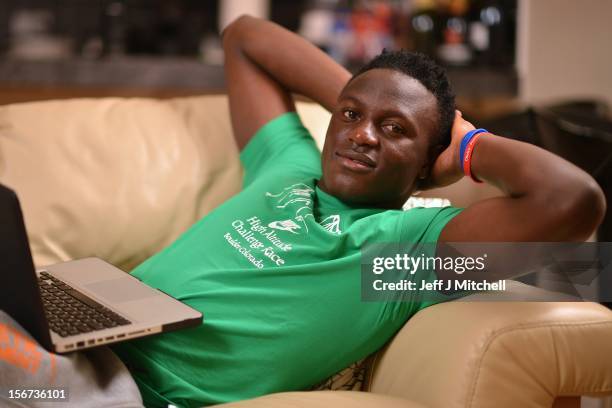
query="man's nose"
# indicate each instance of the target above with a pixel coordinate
(364, 135)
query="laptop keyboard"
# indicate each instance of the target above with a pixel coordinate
(70, 312)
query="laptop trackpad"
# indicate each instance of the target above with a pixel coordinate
(121, 290)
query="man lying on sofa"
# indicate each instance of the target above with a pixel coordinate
(275, 269)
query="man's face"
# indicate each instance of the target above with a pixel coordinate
(377, 142)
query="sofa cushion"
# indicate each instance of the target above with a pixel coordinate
(115, 178)
(324, 399)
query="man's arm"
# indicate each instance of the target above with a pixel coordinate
(546, 197)
(264, 64)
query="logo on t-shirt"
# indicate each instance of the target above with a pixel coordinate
(299, 198)
(286, 225)
(332, 224)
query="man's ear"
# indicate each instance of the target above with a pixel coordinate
(425, 170)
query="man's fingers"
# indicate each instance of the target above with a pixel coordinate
(460, 126)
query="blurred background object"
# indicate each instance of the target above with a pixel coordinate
(31, 36)
(533, 70)
(581, 132)
(51, 42)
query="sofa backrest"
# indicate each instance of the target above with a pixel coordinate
(121, 178)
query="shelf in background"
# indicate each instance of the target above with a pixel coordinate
(132, 72)
(477, 89)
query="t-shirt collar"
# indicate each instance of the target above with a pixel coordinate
(329, 201)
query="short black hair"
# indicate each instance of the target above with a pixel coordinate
(427, 72)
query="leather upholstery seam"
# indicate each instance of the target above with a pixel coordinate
(497, 334)
(372, 369)
(604, 391)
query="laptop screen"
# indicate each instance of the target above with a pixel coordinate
(19, 293)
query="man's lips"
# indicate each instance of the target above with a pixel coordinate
(356, 161)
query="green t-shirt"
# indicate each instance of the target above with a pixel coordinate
(276, 272)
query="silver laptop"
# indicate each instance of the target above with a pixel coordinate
(78, 304)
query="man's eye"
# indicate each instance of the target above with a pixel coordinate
(349, 114)
(392, 127)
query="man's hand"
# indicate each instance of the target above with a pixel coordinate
(446, 169)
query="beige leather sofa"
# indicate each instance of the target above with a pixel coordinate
(122, 178)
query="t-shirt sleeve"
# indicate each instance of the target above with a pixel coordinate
(282, 144)
(424, 226)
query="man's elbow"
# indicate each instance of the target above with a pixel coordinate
(581, 210)
(232, 34)
(593, 203)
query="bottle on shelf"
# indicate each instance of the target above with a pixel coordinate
(489, 33)
(453, 49)
(425, 27)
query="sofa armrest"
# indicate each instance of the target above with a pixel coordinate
(323, 399)
(502, 354)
